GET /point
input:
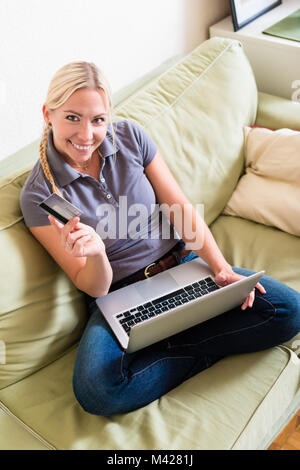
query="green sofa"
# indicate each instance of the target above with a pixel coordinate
(195, 110)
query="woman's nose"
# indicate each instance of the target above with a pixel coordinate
(85, 133)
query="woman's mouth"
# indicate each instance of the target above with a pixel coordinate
(83, 148)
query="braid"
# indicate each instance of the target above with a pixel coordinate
(44, 161)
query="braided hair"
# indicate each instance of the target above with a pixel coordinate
(44, 161)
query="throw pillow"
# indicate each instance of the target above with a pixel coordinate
(269, 191)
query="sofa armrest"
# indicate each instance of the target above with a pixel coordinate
(276, 113)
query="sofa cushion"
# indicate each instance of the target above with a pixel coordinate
(41, 312)
(269, 192)
(10, 189)
(255, 246)
(221, 408)
(195, 112)
(15, 435)
(275, 112)
(258, 247)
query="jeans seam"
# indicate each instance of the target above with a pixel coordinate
(228, 332)
(121, 366)
(159, 360)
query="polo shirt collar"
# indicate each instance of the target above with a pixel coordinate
(107, 147)
(63, 173)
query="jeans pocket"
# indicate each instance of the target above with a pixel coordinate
(263, 306)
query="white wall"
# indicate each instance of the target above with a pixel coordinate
(126, 38)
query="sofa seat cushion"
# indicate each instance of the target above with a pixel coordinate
(195, 112)
(250, 245)
(220, 408)
(15, 435)
(255, 246)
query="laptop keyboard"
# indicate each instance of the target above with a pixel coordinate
(165, 303)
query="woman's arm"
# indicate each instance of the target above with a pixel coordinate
(193, 229)
(80, 252)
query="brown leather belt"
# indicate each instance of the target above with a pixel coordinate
(169, 260)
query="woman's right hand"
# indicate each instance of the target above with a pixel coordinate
(78, 239)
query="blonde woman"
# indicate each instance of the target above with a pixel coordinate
(91, 161)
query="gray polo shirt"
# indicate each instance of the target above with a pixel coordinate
(120, 205)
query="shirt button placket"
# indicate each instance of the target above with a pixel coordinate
(102, 180)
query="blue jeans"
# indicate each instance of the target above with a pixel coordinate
(109, 381)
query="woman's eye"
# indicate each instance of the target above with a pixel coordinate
(73, 118)
(99, 120)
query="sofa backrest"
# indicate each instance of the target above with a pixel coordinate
(195, 112)
(41, 313)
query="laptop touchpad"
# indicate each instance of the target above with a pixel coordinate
(156, 286)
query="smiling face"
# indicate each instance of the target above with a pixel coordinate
(79, 125)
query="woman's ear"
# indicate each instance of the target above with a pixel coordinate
(46, 114)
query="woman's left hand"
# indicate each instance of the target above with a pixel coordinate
(228, 276)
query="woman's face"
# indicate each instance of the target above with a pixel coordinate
(79, 125)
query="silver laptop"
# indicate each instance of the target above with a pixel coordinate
(153, 309)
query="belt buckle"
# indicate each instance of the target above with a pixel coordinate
(147, 275)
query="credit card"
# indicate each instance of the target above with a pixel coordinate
(60, 208)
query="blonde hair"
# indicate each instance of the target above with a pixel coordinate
(66, 81)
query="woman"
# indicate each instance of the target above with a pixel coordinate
(91, 162)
